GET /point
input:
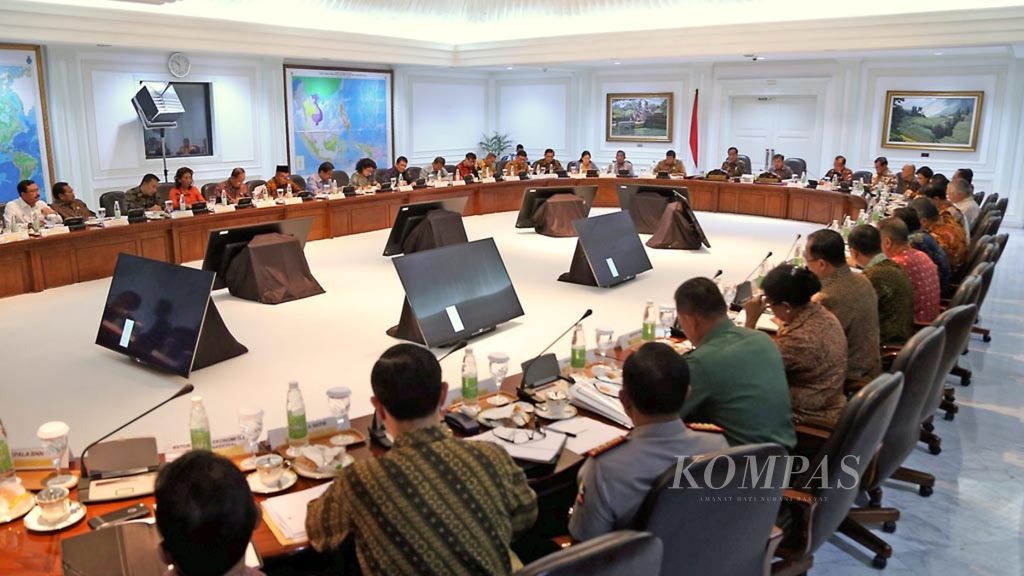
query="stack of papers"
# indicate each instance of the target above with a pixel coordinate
(589, 433)
(544, 449)
(585, 395)
(288, 512)
(764, 322)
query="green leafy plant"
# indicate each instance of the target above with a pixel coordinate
(496, 142)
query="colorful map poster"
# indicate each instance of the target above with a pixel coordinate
(24, 132)
(337, 116)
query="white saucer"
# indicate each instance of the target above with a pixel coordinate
(607, 387)
(23, 507)
(314, 475)
(607, 373)
(288, 479)
(35, 523)
(569, 412)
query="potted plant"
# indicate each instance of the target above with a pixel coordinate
(496, 143)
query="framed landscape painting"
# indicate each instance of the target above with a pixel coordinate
(639, 117)
(932, 120)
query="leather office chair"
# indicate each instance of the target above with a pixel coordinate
(341, 178)
(298, 181)
(107, 200)
(918, 362)
(986, 206)
(209, 190)
(957, 323)
(704, 531)
(979, 197)
(819, 508)
(500, 166)
(745, 163)
(1001, 240)
(163, 191)
(862, 175)
(1002, 204)
(572, 164)
(797, 165)
(253, 184)
(449, 168)
(990, 223)
(986, 273)
(615, 553)
(967, 293)
(416, 173)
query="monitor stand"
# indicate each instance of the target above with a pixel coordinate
(581, 271)
(216, 343)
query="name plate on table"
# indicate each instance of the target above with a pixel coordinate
(264, 203)
(580, 176)
(717, 177)
(406, 188)
(767, 181)
(55, 231)
(338, 196)
(222, 208)
(458, 182)
(14, 236)
(35, 459)
(488, 181)
(292, 200)
(321, 428)
(227, 446)
(181, 214)
(606, 175)
(546, 176)
(115, 222)
(438, 184)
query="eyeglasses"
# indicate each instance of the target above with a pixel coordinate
(518, 435)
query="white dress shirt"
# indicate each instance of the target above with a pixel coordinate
(19, 211)
(969, 208)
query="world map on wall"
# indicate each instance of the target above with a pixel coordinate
(21, 155)
(338, 119)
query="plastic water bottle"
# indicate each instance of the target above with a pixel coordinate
(199, 426)
(847, 226)
(117, 209)
(470, 389)
(762, 271)
(579, 349)
(649, 332)
(298, 430)
(223, 198)
(798, 255)
(834, 225)
(6, 461)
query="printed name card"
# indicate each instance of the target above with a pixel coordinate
(321, 428)
(222, 208)
(35, 459)
(292, 200)
(177, 214)
(606, 175)
(115, 222)
(55, 231)
(406, 188)
(264, 204)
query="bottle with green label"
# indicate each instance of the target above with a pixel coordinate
(798, 255)
(650, 328)
(579, 349)
(298, 429)
(470, 388)
(6, 461)
(199, 426)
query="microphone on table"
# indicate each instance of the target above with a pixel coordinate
(789, 253)
(186, 389)
(717, 274)
(378, 432)
(529, 363)
(754, 271)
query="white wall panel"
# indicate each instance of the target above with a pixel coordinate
(448, 118)
(536, 114)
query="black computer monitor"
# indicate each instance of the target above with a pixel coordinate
(226, 243)
(534, 197)
(627, 192)
(458, 291)
(161, 314)
(608, 251)
(410, 215)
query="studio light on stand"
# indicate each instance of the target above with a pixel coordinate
(159, 108)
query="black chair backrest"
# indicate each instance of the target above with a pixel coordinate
(341, 177)
(985, 270)
(449, 168)
(990, 223)
(979, 197)
(415, 173)
(107, 200)
(990, 199)
(1002, 204)
(712, 527)
(163, 191)
(862, 175)
(744, 163)
(978, 244)
(1001, 240)
(854, 441)
(619, 552)
(253, 184)
(209, 190)
(797, 165)
(969, 289)
(918, 361)
(298, 181)
(957, 323)
(500, 166)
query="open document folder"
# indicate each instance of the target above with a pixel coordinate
(585, 394)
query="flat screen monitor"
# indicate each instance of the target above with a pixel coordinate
(410, 215)
(628, 191)
(612, 248)
(458, 291)
(224, 244)
(155, 311)
(534, 197)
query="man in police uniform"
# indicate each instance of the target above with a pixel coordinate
(614, 483)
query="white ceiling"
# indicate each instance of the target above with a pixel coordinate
(487, 33)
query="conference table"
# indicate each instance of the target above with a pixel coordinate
(38, 264)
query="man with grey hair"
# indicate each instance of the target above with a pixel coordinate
(960, 192)
(906, 181)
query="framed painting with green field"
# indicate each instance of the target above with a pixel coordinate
(932, 120)
(639, 117)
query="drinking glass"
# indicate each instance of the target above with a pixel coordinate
(394, 183)
(250, 421)
(101, 213)
(605, 341)
(499, 367)
(667, 318)
(54, 436)
(339, 399)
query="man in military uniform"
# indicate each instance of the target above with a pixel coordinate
(733, 166)
(839, 171)
(143, 196)
(613, 484)
(670, 165)
(548, 164)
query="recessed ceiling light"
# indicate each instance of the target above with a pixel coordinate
(938, 53)
(508, 67)
(618, 63)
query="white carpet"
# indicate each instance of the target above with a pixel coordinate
(51, 370)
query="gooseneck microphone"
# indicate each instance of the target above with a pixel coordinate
(717, 274)
(789, 253)
(754, 271)
(458, 346)
(186, 389)
(528, 364)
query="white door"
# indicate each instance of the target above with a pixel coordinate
(786, 123)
